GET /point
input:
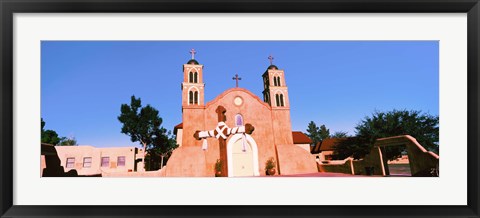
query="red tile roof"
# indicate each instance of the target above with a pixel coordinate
(329, 144)
(300, 138)
(326, 145)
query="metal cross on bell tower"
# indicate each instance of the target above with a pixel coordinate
(270, 57)
(193, 52)
(236, 78)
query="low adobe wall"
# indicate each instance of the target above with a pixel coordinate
(343, 167)
(373, 160)
(421, 161)
(356, 167)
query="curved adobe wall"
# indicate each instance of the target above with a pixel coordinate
(295, 160)
(187, 161)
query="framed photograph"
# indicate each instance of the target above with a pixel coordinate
(239, 109)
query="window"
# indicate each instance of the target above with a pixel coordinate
(195, 97)
(121, 161)
(279, 100)
(70, 162)
(193, 77)
(190, 77)
(238, 120)
(276, 81)
(105, 161)
(190, 97)
(87, 162)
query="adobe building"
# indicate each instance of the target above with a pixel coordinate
(84, 160)
(246, 154)
(324, 150)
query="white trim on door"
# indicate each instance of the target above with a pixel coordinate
(252, 143)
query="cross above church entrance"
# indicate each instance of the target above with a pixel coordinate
(236, 78)
(193, 52)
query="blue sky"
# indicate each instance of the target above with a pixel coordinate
(336, 83)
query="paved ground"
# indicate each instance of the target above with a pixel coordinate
(400, 169)
(325, 175)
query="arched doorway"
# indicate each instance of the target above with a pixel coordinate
(242, 161)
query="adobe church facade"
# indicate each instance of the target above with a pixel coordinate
(246, 154)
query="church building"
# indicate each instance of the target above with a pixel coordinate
(243, 154)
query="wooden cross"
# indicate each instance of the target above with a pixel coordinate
(193, 52)
(270, 57)
(236, 78)
(222, 132)
(222, 142)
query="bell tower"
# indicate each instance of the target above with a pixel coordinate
(275, 93)
(193, 105)
(192, 85)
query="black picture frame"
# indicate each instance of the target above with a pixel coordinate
(9, 7)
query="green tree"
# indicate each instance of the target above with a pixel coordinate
(162, 146)
(142, 124)
(313, 132)
(48, 136)
(324, 133)
(339, 134)
(68, 141)
(423, 127)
